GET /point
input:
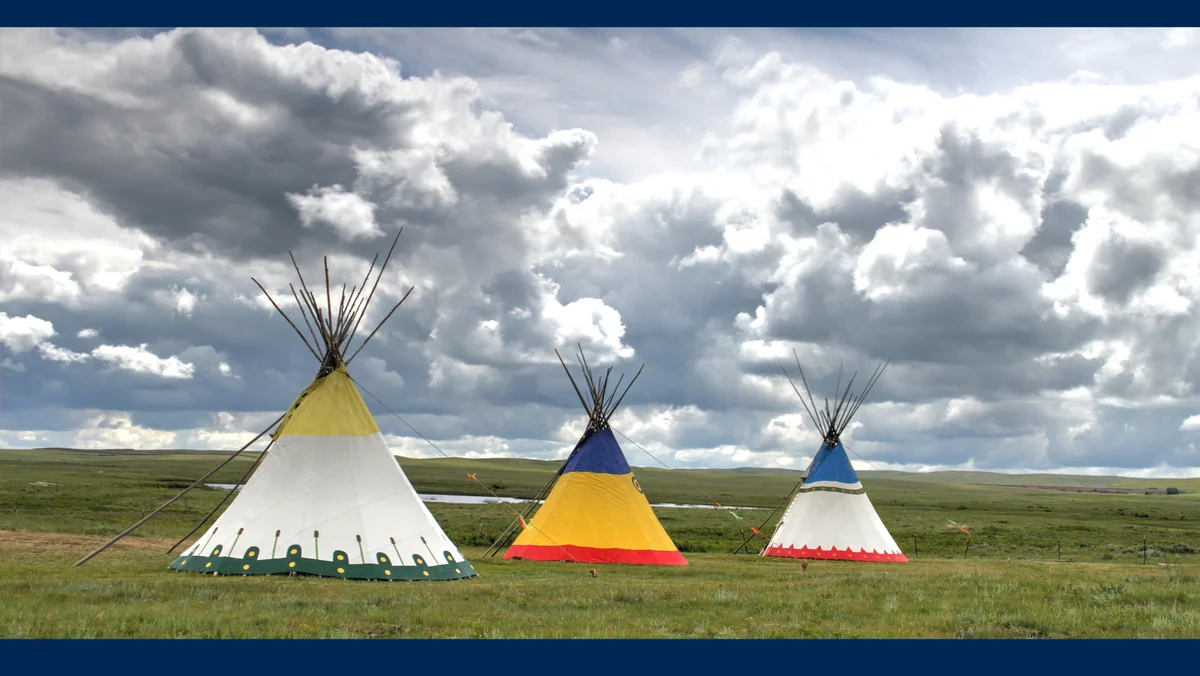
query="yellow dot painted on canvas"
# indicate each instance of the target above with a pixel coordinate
(215, 551)
(208, 565)
(340, 557)
(457, 570)
(291, 564)
(341, 570)
(382, 559)
(252, 554)
(426, 573)
(246, 567)
(292, 552)
(387, 572)
(420, 560)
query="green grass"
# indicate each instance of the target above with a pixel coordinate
(131, 594)
(1010, 584)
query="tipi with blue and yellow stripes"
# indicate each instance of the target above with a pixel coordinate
(596, 511)
(329, 498)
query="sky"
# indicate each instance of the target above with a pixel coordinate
(1009, 216)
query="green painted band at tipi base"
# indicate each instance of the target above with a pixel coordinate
(294, 562)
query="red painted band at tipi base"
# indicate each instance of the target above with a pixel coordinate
(595, 555)
(834, 553)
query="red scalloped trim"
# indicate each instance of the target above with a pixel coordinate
(836, 554)
(595, 555)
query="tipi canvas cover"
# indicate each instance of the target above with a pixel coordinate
(596, 511)
(831, 516)
(329, 497)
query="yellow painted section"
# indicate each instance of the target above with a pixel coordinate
(329, 407)
(596, 510)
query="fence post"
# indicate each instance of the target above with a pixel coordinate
(1144, 554)
(916, 552)
(1060, 549)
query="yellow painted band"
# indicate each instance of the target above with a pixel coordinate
(329, 407)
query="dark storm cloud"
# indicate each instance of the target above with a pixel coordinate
(1164, 352)
(1051, 247)
(975, 326)
(197, 175)
(995, 315)
(673, 313)
(198, 169)
(1123, 436)
(857, 213)
(198, 138)
(1121, 268)
(203, 194)
(1130, 192)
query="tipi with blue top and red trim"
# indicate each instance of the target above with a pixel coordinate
(831, 516)
(595, 511)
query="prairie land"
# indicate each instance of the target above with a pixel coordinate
(1048, 557)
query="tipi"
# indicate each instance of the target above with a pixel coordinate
(329, 498)
(596, 511)
(831, 516)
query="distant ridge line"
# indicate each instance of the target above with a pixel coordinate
(974, 477)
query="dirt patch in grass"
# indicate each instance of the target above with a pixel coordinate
(33, 542)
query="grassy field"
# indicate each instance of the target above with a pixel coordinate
(1010, 583)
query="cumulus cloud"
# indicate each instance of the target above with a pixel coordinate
(185, 301)
(347, 213)
(1026, 256)
(55, 353)
(140, 360)
(21, 334)
(118, 430)
(43, 282)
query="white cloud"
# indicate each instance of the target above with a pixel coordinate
(58, 245)
(22, 281)
(1192, 423)
(185, 301)
(140, 360)
(1181, 37)
(589, 320)
(55, 353)
(117, 430)
(902, 259)
(349, 215)
(87, 333)
(21, 334)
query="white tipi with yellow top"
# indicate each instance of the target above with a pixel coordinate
(329, 497)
